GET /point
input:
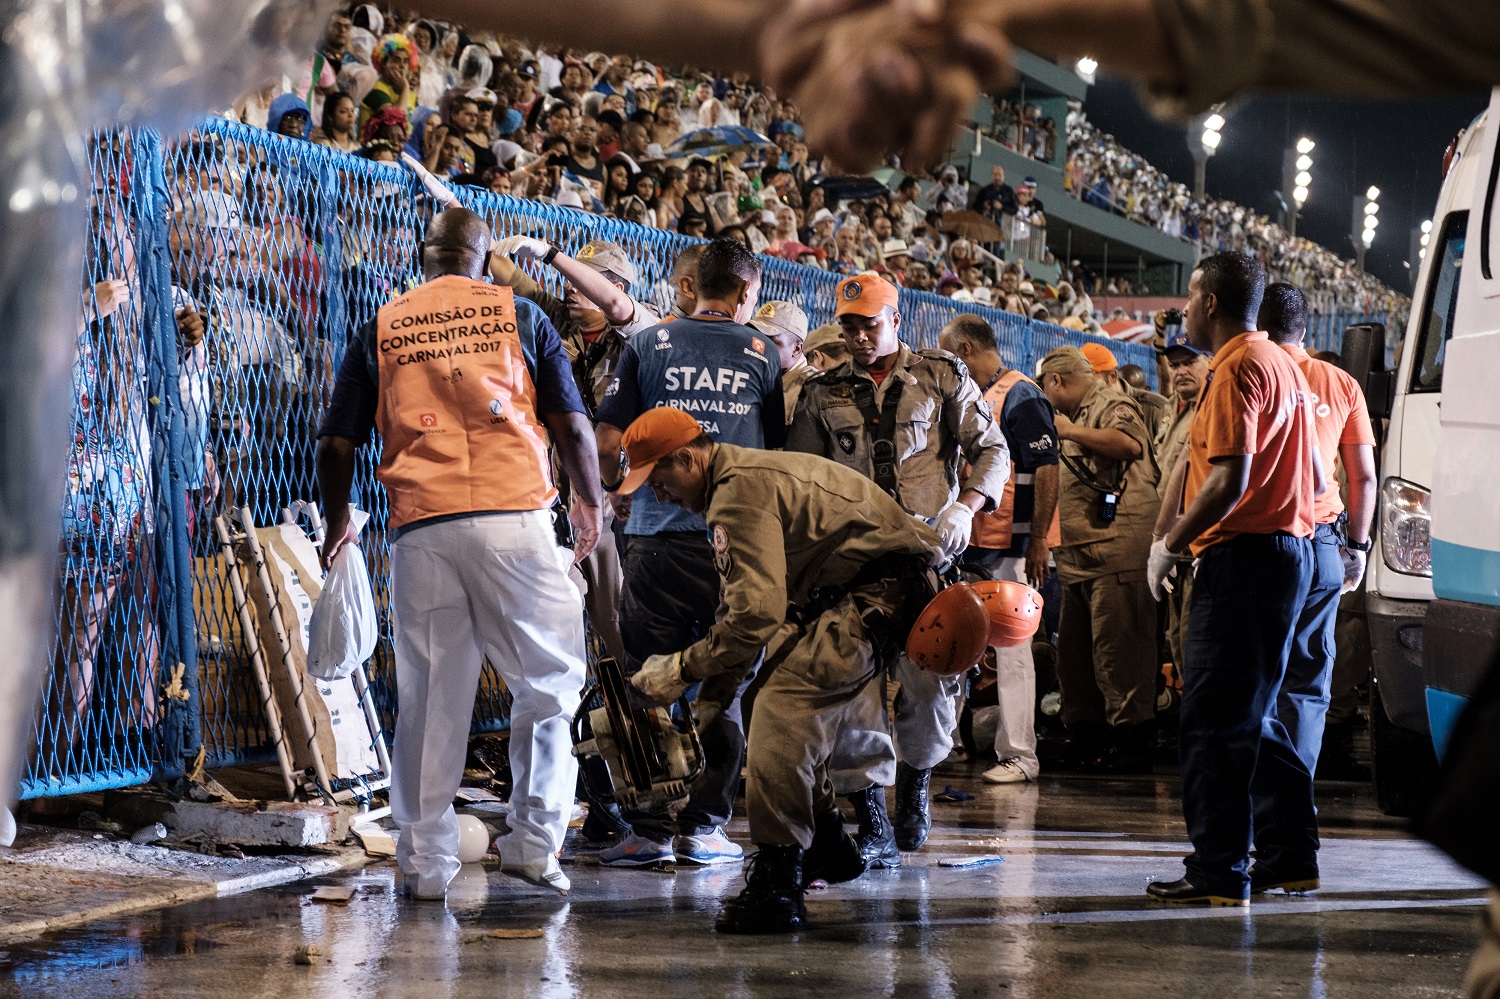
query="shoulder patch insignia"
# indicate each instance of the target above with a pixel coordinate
(721, 539)
(1124, 411)
(845, 441)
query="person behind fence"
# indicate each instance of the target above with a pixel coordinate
(596, 317)
(1286, 823)
(727, 376)
(786, 325)
(907, 419)
(795, 539)
(1015, 541)
(466, 383)
(1107, 659)
(1248, 489)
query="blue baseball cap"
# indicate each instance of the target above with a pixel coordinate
(1177, 337)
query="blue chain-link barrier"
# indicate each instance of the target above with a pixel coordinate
(243, 260)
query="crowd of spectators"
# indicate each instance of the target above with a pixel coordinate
(596, 132)
(1105, 174)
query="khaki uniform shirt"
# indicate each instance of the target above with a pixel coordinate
(1156, 408)
(593, 364)
(941, 422)
(783, 526)
(1170, 444)
(1091, 547)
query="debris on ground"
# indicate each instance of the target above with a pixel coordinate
(336, 894)
(951, 793)
(149, 834)
(980, 861)
(307, 954)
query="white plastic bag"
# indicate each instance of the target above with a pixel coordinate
(344, 627)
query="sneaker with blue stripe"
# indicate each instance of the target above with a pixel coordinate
(715, 848)
(636, 851)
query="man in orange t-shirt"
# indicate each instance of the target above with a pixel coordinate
(1248, 481)
(1286, 820)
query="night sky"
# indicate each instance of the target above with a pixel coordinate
(1397, 146)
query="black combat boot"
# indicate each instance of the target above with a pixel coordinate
(772, 899)
(913, 812)
(876, 839)
(834, 857)
(1127, 752)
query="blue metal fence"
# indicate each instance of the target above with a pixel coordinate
(281, 248)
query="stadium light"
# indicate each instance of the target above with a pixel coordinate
(1086, 68)
(1304, 178)
(1299, 195)
(1304, 162)
(1305, 145)
(1214, 122)
(1426, 226)
(1206, 144)
(1211, 141)
(1296, 177)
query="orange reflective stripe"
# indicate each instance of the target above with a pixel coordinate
(457, 412)
(997, 530)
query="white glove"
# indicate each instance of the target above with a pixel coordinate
(522, 248)
(661, 678)
(440, 192)
(954, 525)
(1354, 567)
(1161, 567)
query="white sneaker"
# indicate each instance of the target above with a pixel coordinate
(1007, 772)
(547, 874)
(424, 889)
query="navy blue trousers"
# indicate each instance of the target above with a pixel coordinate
(1286, 820)
(1248, 594)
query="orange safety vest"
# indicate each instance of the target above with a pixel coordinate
(457, 413)
(996, 530)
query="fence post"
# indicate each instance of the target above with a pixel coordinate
(336, 309)
(177, 682)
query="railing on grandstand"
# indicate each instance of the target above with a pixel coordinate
(283, 247)
(1023, 240)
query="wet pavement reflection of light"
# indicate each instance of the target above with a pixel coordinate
(1063, 916)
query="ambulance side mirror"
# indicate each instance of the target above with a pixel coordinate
(1363, 357)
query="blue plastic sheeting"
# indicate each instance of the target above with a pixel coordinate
(282, 248)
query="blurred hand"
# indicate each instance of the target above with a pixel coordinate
(110, 295)
(587, 521)
(433, 139)
(522, 248)
(190, 328)
(874, 77)
(660, 678)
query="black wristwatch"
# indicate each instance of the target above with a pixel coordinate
(549, 255)
(1357, 546)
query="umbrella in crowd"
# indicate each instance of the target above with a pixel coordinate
(720, 140)
(837, 189)
(1132, 330)
(971, 226)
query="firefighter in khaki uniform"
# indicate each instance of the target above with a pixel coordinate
(466, 384)
(1106, 648)
(907, 419)
(800, 539)
(1187, 367)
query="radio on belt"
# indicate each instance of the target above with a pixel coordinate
(652, 759)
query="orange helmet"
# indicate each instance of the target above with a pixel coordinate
(951, 633)
(1014, 611)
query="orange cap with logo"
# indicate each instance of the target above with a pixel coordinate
(1100, 357)
(864, 295)
(652, 436)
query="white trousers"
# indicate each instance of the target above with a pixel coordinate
(1015, 719)
(495, 585)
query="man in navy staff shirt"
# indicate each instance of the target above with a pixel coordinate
(728, 377)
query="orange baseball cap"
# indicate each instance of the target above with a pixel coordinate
(865, 295)
(652, 436)
(1100, 357)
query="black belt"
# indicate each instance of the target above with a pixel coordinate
(910, 572)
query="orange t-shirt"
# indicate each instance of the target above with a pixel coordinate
(1256, 403)
(1341, 418)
